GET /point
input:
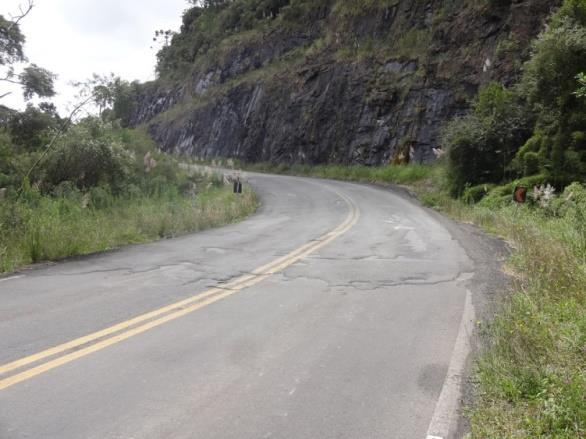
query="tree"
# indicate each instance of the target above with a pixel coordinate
(549, 82)
(89, 155)
(32, 129)
(210, 3)
(11, 42)
(115, 98)
(33, 79)
(481, 146)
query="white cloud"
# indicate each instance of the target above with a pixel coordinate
(76, 38)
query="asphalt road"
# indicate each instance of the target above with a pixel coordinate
(336, 311)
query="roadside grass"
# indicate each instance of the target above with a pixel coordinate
(44, 228)
(530, 374)
(530, 377)
(366, 174)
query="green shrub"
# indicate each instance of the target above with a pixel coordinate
(549, 82)
(100, 197)
(474, 194)
(481, 146)
(88, 156)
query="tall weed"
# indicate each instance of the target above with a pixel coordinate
(52, 228)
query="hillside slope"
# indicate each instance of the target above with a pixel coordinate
(326, 81)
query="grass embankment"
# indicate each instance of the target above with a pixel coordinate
(43, 228)
(365, 174)
(530, 377)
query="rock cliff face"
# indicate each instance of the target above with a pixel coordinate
(371, 86)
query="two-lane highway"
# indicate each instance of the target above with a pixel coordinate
(337, 311)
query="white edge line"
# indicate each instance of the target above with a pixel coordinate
(446, 412)
(10, 278)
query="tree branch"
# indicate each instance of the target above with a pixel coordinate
(23, 13)
(12, 81)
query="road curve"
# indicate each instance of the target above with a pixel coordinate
(333, 312)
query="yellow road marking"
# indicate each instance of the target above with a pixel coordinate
(173, 311)
(143, 317)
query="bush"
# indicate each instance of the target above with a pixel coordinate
(549, 83)
(100, 197)
(481, 146)
(88, 156)
(474, 194)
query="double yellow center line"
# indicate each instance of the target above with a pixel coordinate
(48, 359)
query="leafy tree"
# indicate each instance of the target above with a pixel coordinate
(38, 81)
(31, 128)
(87, 156)
(481, 145)
(538, 128)
(126, 95)
(11, 42)
(33, 79)
(114, 97)
(558, 147)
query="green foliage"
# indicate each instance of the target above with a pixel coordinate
(530, 379)
(34, 79)
(37, 81)
(581, 91)
(40, 228)
(114, 97)
(206, 26)
(6, 156)
(125, 100)
(88, 156)
(101, 187)
(536, 128)
(474, 194)
(481, 145)
(506, 47)
(11, 42)
(31, 128)
(574, 10)
(370, 174)
(549, 83)
(558, 58)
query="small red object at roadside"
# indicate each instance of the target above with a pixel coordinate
(520, 194)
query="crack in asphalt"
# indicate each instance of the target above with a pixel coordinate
(82, 273)
(373, 286)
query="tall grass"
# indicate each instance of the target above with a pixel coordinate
(531, 375)
(43, 228)
(366, 174)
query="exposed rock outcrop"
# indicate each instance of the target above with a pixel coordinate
(379, 88)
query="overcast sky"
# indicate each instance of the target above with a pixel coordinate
(75, 38)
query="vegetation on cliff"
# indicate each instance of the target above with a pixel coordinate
(533, 130)
(364, 82)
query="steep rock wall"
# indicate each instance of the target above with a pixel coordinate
(373, 88)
